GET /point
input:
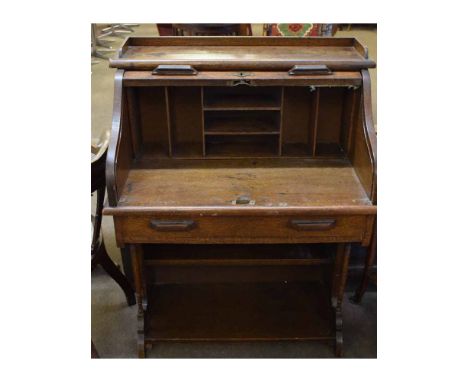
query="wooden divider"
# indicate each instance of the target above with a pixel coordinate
(222, 122)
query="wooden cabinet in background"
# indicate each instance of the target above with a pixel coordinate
(240, 171)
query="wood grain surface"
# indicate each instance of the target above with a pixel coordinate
(245, 53)
(268, 187)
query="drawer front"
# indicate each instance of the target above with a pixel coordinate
(239, 229)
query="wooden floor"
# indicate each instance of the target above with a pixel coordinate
(327, 183)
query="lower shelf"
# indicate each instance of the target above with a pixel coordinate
(297, 150)
(329, 150)
(242, 146)
(239, 311)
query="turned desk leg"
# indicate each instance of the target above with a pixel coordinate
(340, 273)
(136, 254)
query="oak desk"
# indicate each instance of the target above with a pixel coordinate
(239, 172)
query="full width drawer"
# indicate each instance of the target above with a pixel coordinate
(239, 229)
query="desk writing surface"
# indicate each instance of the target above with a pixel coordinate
(209, 186)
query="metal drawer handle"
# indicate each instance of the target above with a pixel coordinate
(175, 69)
(313, 225)
(298, 70)
(172, 225)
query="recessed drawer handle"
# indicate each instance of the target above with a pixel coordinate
(172, 225)
(313, 225)
(175, 70)
(298, 70)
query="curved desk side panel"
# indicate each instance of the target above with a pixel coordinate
(120, 153)
(363, 148)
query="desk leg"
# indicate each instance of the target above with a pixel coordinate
(136, 254)
(340, 273)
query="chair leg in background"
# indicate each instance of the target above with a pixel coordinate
(94, 353)
(370, 258)
(114, 272)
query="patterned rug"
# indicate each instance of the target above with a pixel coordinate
(301, 30)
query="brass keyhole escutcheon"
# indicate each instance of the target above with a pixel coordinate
(243, 200)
